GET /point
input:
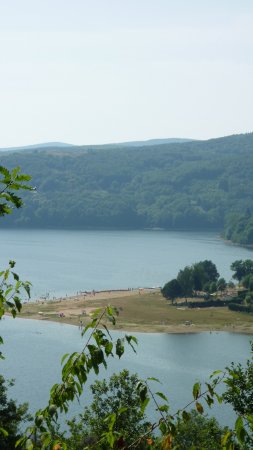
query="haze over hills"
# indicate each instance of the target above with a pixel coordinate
(63, 145)
(175, 185)
(37, 146)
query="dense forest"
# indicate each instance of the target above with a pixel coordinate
(239, 228)
(173, 185)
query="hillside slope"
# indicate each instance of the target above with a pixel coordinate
(194, 184)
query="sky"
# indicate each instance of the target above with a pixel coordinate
(101, 71)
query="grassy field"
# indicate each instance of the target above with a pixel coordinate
(144, 310)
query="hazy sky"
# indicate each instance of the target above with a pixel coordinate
(98, 71)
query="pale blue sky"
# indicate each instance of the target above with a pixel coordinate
(100, 71)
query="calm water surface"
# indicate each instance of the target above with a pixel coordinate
(63, 262)
(33, 350)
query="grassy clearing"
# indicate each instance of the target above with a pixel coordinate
(142, 311)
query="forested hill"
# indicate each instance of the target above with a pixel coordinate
(195, 184)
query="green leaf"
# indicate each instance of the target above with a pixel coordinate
(119, 347)
(15, 276)
(110, 311)
(144, 405)
(64, 357)
(143, 390)
(8, 291)
(154, 379)
(196, 390)
(15, 171)
(225, 438)
(108, 332)
(163, 408)
(122, 410)
(26, 287)
(216, 372)
(240, 430)
(186, 416)
(4, 432)
(160, 394)
(111, 419)
(96, 313)
(218, 397)
(108, 348)
(199, 408)
(29, 445)
(5, 172)
(209, 400)
(129, 340)
(163, 427)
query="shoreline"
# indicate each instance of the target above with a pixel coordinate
(140, 310)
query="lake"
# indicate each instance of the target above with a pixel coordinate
(61, 262)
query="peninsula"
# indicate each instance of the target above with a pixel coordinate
(143, 310)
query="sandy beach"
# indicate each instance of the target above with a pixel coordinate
(143, 310)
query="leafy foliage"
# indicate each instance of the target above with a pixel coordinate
(11, 286)
(172, 289)
(198, 432)
(11, 181)
(239, 394)
(12, 416)
(242, 268)
(76, 368)
(197, 277)
(120, 396)
(11, 289)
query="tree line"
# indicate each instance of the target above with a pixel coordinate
(202, 279)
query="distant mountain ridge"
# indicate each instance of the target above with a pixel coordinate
(63, 145)
(148, 142)
(37, 146)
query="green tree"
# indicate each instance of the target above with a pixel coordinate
(239, 394)
(172, 290)
(242, 268)
(198, 432)
(221, 284)
(249, 298)
(120, 396)
(247, 281)
(239, 387)
(204, 272)
(185, 279)
(12, 416)
(196, 277)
